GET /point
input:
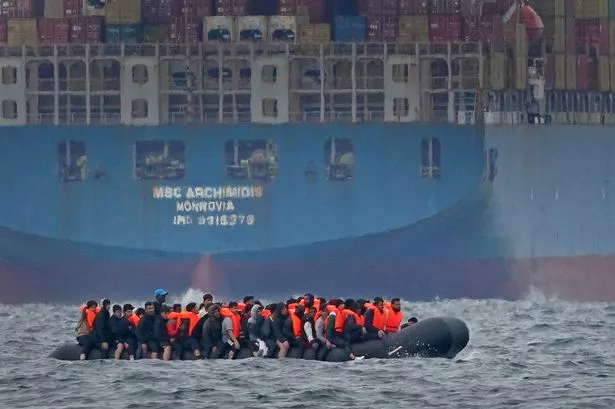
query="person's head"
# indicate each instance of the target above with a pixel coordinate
(91, 305)
(117, 310)
(291, 301)
(191, 307)
(164, 311)
(379, 303)
(149, 308)
(214, 311)
(233, 306)
(356, 307)
(208, 299)
(337, 302)
(281, 309)
(248, 300)
(128, 309)
(308, 299)
(177, 307)
(299, 311)
(160, 295)
(396, 304)
(139, 312)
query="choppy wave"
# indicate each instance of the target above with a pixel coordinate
(535, 353)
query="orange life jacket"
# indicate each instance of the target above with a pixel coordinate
(89, 315)
(186, 321)
(172, 324)
(340, 318)
(296, 325)
(266, 313)
(291, 307)
(357, 317)
(316, 304)
(241, 306)
(393, 320)
(227, 313)
(379, 320)
(133, 320)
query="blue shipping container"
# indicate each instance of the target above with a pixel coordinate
(349, 29)
(115, 33)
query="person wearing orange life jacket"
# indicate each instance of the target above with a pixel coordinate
(353, 324)
(185, 327)
(231, 329)
(102, 328)
(335, 326)
(293, 328)
(375, 320)
(83, 331)
(394, 316)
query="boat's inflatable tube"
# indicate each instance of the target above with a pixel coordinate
(440, 337)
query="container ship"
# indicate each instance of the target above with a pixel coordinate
(413, 148)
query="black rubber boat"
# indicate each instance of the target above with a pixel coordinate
(439, 337)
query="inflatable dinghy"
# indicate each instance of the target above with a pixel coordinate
(439, 337)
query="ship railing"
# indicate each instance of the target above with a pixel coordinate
(75, 118)
(247, 47)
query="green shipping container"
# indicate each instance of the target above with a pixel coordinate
(115, 33)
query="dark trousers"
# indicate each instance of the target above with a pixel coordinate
(87, 343)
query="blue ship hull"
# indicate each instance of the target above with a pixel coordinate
(388, 229)
(544, 221)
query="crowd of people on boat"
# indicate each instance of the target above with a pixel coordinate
(220, 330)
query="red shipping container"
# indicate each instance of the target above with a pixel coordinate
(471, 29)
(86, 30)
(582, 73)
(317, 10)
(195, 8)
(444, 28)
(53, 31)
(3, 31)
(184, 31)
(593, 32)
(16, 8)
(73, 8)
(445, 7)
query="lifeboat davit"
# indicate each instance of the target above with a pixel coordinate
(527, 16)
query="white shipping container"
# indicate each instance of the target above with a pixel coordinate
(54, 9)
(89, 10)
(219, 28)
(252, 28)
(286, 28)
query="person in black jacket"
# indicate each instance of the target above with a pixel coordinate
(212, 333)
(145, 331)
(121, 333)
(279, 317)
(102, 328)
(161, 336)
(353, 330)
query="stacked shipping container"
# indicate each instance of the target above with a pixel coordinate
(579, 34)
